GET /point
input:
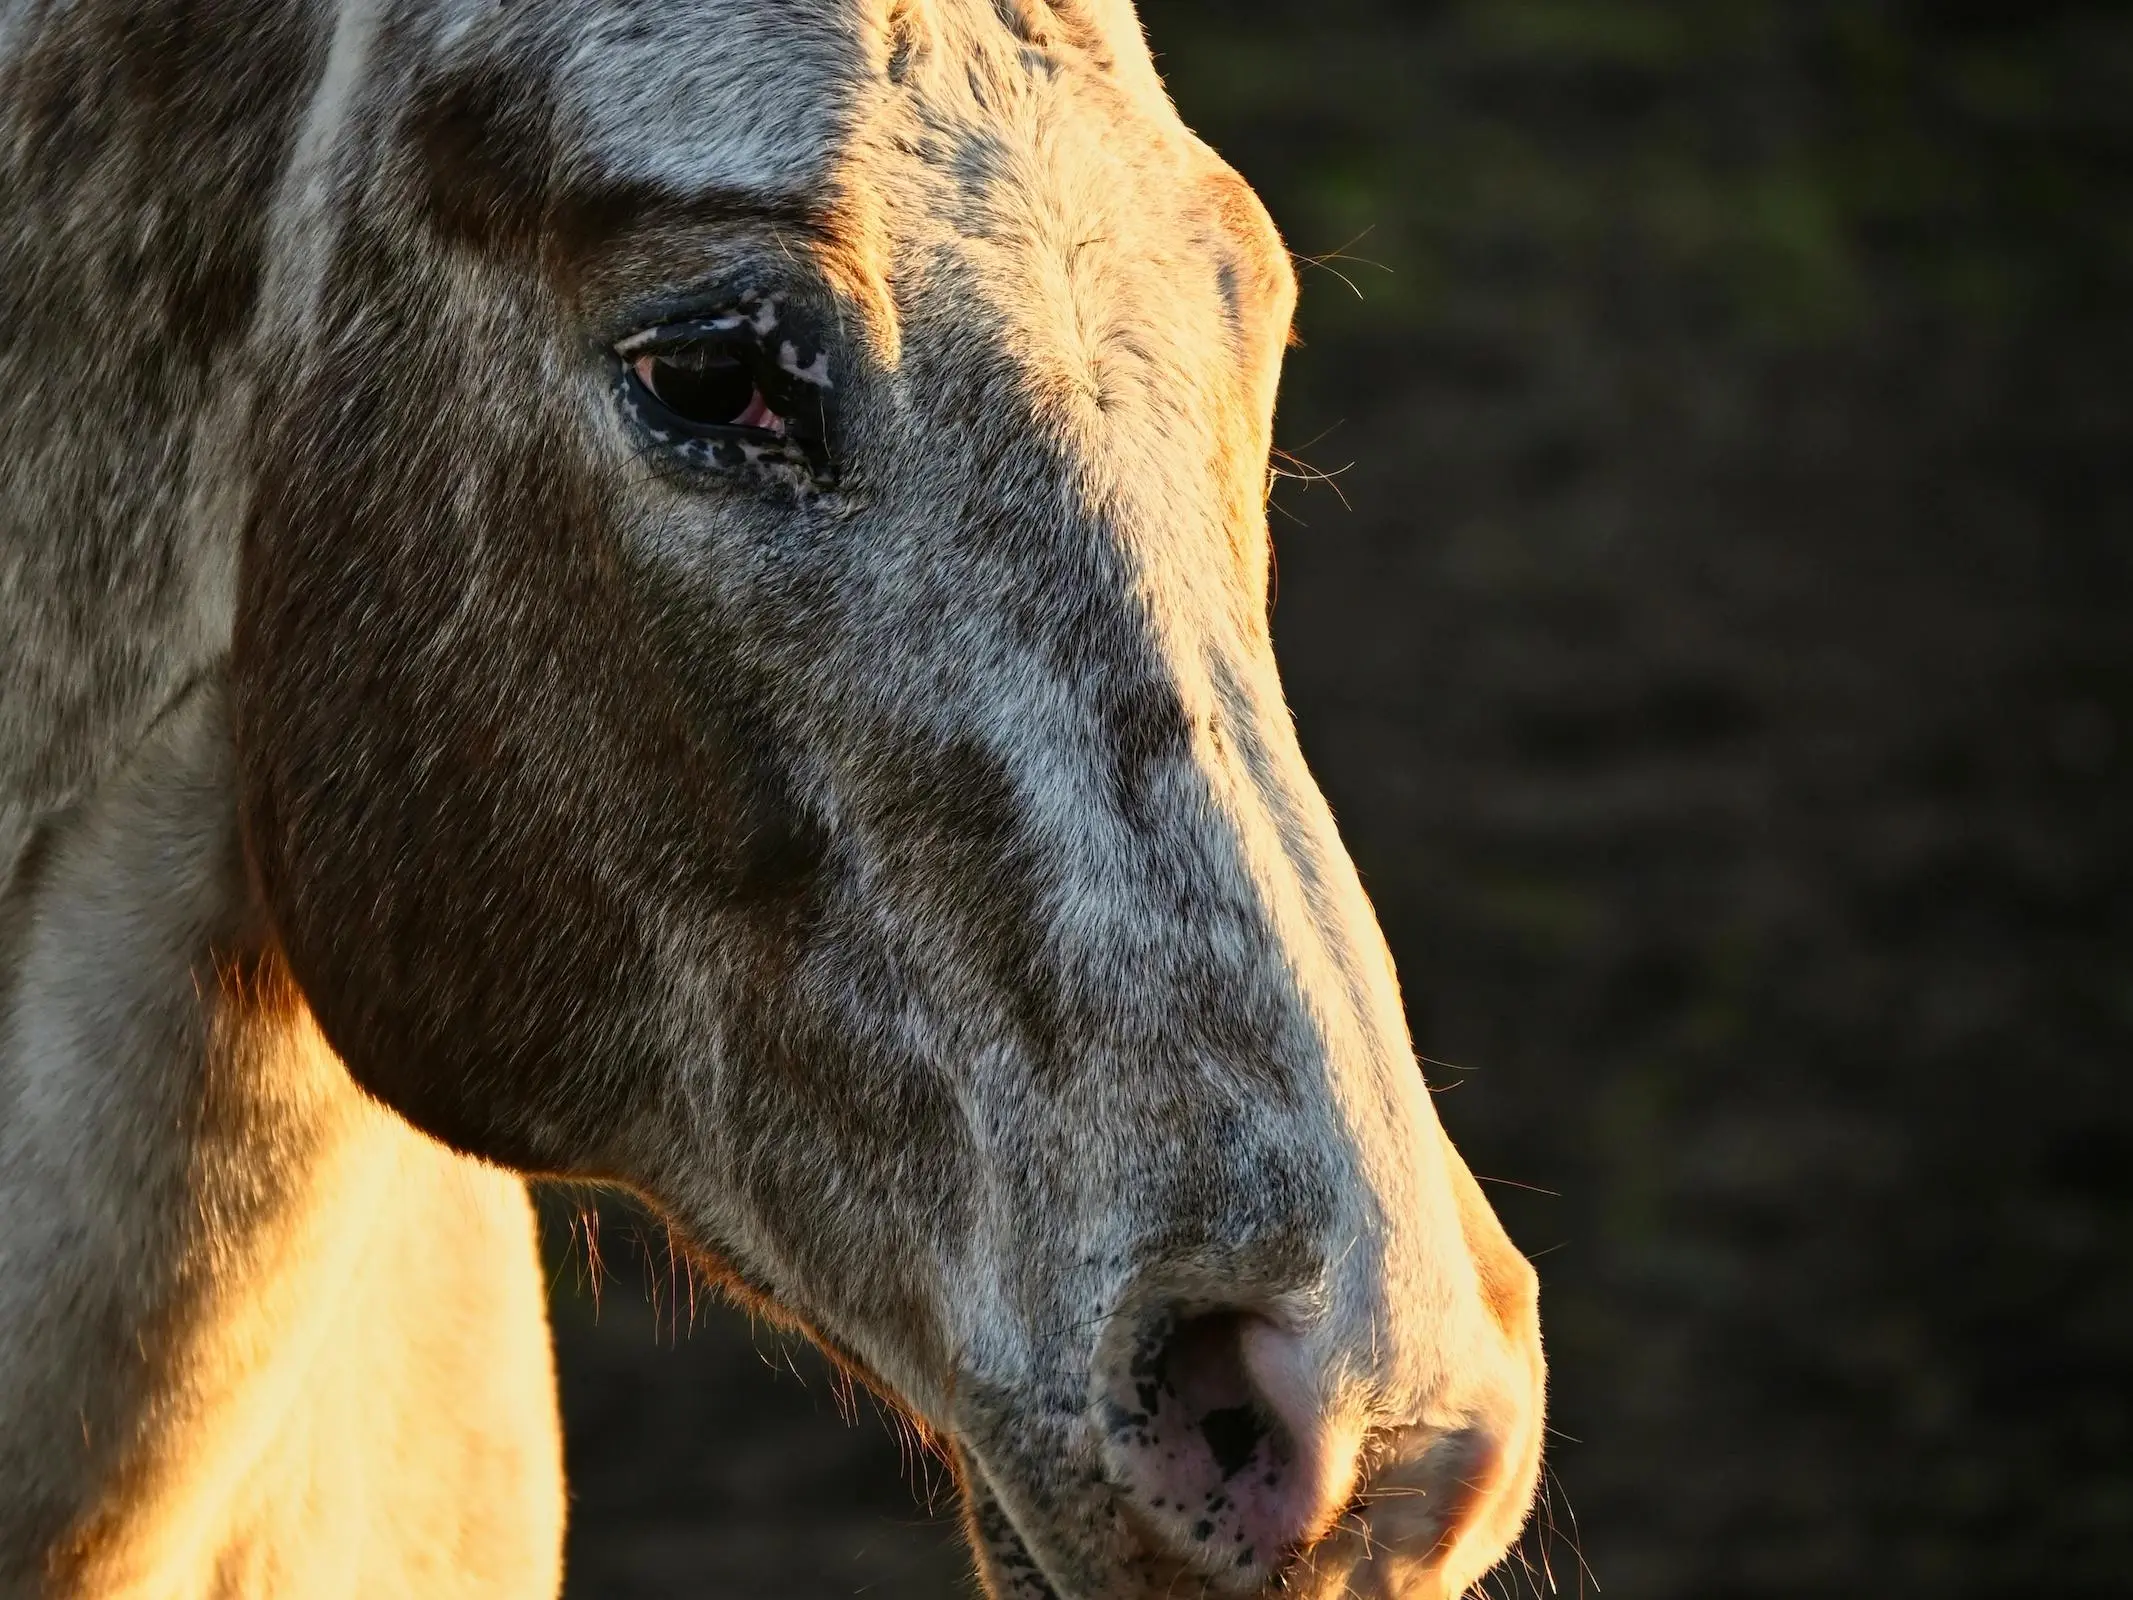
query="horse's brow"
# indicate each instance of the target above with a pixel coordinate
(500, 175)
(590, 214)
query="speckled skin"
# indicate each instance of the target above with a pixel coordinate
(877, 839)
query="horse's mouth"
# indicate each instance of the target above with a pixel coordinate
(1412, 1535)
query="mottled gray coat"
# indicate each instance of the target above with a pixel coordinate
(441, 739)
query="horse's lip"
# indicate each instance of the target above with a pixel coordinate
(1355, 1564)
(993, 1525)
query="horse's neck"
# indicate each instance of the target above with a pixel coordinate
(255, 1335)
(134, 227)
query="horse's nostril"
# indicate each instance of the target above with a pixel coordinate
(1233, 1434)
(1201, 1363)
(1216, 1442)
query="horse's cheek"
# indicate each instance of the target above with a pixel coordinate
(451, 742)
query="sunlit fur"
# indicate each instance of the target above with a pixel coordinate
(261, 1337)
(909, 883)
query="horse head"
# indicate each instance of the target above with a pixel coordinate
(754, 685)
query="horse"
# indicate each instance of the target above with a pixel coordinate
(677, 598)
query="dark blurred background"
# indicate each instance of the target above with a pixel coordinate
(1713, 633)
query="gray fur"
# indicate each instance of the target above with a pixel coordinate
(882, 844)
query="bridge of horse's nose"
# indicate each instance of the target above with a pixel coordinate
(1218, 1443)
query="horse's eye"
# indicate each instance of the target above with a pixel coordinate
(707, 386)
(740, 394)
